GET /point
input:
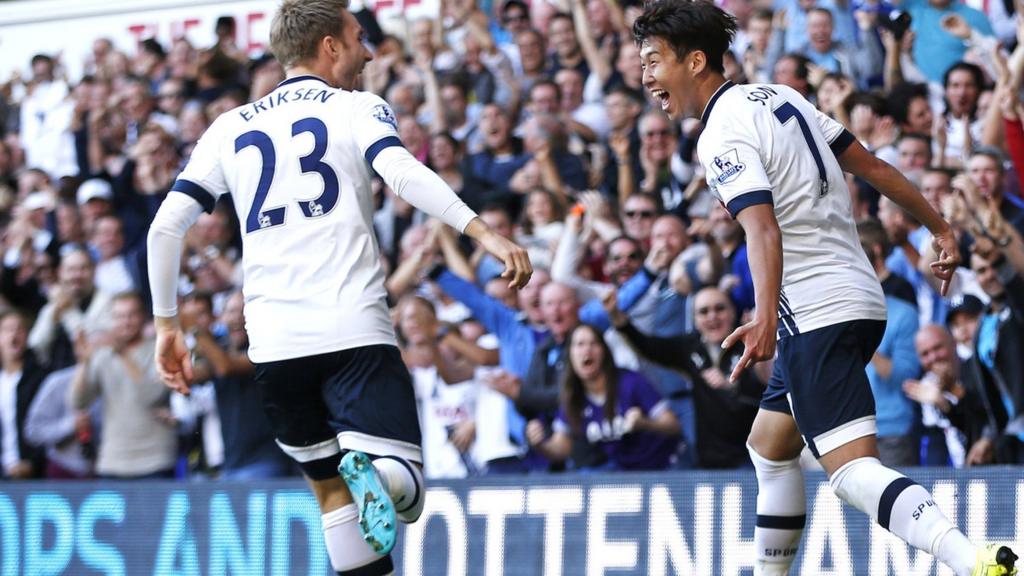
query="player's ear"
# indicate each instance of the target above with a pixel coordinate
(698, 62)
(331, 46)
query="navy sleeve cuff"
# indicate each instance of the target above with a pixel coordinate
(747, 200)
(379, 146)
(197, 193)
(842, 142)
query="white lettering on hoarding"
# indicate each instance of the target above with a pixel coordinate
(666, 539)
(554, 504)
(444, 504)
(826, 529)
(603, 554)
(495, 504)
(737, 553)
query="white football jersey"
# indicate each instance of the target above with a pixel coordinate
(765, 144)
(296, 163)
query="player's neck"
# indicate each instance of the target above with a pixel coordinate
(305, 70)
(706, 90)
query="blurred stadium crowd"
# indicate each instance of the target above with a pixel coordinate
(536, 116)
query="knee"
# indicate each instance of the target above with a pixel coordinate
(766, 466)
(773, 448)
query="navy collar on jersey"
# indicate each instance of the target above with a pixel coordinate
(711, 103)
(302, 78)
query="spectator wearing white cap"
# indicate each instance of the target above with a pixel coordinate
(95, 199)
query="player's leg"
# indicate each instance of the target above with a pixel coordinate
(299, 419)
(834, 407)
(373, 411)
(775, 445)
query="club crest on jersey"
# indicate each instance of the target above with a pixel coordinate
(727, 166)
(384, 114)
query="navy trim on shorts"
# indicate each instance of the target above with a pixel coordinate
(197, 193)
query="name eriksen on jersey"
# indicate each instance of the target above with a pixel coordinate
(284, 97)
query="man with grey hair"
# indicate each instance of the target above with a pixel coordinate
(987, 172)
(297, 164)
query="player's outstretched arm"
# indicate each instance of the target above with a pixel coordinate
(764, 251)
(177, 213)
(889, 181)
(517, 263)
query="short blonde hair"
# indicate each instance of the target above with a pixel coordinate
(300, 25)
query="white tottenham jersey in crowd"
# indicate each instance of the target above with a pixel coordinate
(765, 144)
(296, 163)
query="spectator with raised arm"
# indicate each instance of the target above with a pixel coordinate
(74, 306)
(723, 410)
(139, 438)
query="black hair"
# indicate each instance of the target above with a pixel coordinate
(872, 100)
(686, 26)
(803, 65)
(573, 392)
(976, 74)
(151, 46)
(41, 58)
(900, 98)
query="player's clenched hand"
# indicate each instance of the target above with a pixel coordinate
(517, 263)
(758, 337)
(173, 362)
(944, 244)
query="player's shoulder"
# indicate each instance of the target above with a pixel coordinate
(368, 106)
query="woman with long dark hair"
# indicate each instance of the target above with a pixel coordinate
(609, 418)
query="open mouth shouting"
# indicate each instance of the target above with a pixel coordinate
(663, 97)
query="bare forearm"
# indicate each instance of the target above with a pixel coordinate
(627, 183)
(894, 185)
(764, 247)
(454, 259)
(665, 424)
(475, 354)
(556, 448)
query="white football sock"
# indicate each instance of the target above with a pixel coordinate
(904, 508)
(404, 482)
(781, 514)
(346, 548)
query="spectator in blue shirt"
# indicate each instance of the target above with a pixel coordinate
(894, 362)
(936, 48)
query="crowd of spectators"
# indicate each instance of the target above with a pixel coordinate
(534, 113)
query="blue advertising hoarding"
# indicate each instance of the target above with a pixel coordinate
(697, 523)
